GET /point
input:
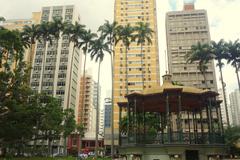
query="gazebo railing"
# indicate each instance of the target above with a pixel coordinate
(174, 138)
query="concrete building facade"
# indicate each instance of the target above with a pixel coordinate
(131, 12)
(184, 29)
(235, 107)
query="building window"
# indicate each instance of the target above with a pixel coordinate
(62, 75)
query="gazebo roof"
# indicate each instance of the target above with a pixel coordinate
(169, 87)
(154, 99)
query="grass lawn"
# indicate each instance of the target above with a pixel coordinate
(40, 158)
(49, 158)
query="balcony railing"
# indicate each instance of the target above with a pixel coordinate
(174, 138)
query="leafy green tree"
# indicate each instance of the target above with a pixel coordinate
(110, 31)
(97, 49)
(16, 110)
(233, 56)
(11, 48)
(125, 35)
(200, 53)
(81, 131)
(69, 124)
(2, 19)
(219, 50)
(143, 35)
(51, 120)
(232, 139)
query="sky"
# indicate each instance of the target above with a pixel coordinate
(223, 18)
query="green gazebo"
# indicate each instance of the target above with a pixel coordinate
(171, 122)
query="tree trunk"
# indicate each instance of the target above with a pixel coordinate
(224, 94)
(30, 61)
(43, 64)
(70, 78)
(126, 61)
(112, 110)
(83, 88)
(65, 146)
(142, 65)
(97, 111)
(236, 70)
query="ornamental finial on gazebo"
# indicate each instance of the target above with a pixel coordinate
(167, 78)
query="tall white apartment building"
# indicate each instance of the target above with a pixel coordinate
(184, 29)
(235, 107)
(56, 68)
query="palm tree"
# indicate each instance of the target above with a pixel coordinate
(56, 27)
(11, 47)
(143, 34)
(30, 34)
(233, 57)
(109, 31)
(45, 35)
(87, 38)
(200, 53)
(219, 51)
(126, 36)
(2, 19)
(98, 47)
(74, 32)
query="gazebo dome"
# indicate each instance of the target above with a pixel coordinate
(169, 86)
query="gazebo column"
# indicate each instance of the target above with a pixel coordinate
(220, 120)
(179, 118)
(202, 131)
(189, 127)
(162, 126)
(128, 121)
(168, 119)
(193, 122)
(209, 122)
(144, 128)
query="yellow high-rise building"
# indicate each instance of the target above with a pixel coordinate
(131, 12)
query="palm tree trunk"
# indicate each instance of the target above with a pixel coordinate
(83, 88)
(54, 73)
(142, 65)
(224, 94)
(97, 111)
(30, 61)
(70, 79)
(205, 79)
(236, 70)
(126, 61)
(112, 111)
(43, 64)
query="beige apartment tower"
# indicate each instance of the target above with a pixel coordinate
(131, 12)
(184, 29)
